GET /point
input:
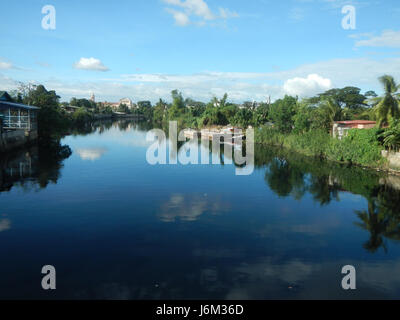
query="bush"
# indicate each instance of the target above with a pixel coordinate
(360, 147)
(81, 116)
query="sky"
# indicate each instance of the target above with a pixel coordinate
(251, 49)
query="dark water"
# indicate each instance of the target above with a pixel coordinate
(116, 227)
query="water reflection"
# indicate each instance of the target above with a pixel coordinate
(120, 228)
(91, 154)
(189, 207)
(33, 167)
(5, 224)
(293, 175)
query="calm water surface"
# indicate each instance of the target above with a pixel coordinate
(116, 227)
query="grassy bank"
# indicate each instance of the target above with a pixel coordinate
(360, 147)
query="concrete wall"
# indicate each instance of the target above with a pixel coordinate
(16, 138)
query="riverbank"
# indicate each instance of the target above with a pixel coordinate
(360, 147)
(13, 139)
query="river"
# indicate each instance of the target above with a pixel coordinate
(116, 227)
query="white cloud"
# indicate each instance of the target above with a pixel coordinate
(226, 13)
(91, 154)
(296, 14)
(309, 86)
(90, 64)
(388, 38)
(197, 9)
(5, 65)
(5, 224)
(7, 83)
(181, 19)
(241, 86)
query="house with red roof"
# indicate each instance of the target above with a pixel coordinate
(340, 128)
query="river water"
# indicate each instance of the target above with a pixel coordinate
(116, 227)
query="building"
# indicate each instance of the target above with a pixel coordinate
(92, 97)
(16, 115)
(126, 101)
(340, 128)
(18, 122)
(114, 105)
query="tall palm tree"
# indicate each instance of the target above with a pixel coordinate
(387, 107)
(391, 136)
(332, 109)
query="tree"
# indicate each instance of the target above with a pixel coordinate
(387, 106)
(391, 136)
(50, 118)
(178, 105)
(213, 116)
(144, 104)
(303, 118)
(347, 97)
(81, 116)
(282, 112)
(370, 94)
(160, 111)
(124, 108)
(243, 117)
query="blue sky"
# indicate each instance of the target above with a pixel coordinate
(251, 49)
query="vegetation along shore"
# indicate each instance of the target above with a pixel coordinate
(301, 125)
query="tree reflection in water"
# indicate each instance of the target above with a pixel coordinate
(41, 164)
(36, 166)
(287, 174)
(294, 175)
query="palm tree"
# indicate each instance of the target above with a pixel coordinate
(391, 136)
(387, 107)
(333, 109)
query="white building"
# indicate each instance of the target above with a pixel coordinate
(126, 101)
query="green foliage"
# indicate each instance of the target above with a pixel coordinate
(391, 136)
(81, 116)
(282, 112)
(83, 103)
(260, 115)
(213, 116)
(124, 108)
(144, 104)
(359, 147)
(388, 106)
(51, 119)
(160, 111)
(347, 97)
(242, 118)
(145, 109)
(178, 105)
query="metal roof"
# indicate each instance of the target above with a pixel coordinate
(356, 122)
(6, 104)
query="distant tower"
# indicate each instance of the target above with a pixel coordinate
(92, 98)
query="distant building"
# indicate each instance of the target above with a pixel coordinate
(114, 105)
(126, 101)
(340, 128)
(92, 98)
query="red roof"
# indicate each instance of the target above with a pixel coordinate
(356, 122)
